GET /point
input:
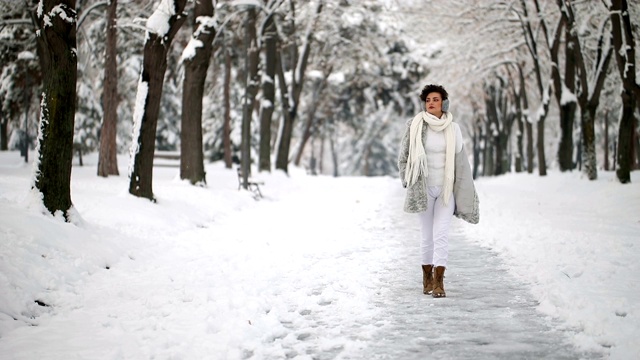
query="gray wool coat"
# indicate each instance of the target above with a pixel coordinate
(464, 191)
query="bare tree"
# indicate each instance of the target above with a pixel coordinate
(299, 64)
(56, 38)
(318, 88)
(624, 43)
(107, 160)
(591, 84)
(162, 27)
(196, 59)
(563, 88)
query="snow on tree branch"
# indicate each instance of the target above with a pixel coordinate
(68, 14)
(158, 22)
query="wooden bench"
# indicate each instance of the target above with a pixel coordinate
(252, 185)
(167, 158)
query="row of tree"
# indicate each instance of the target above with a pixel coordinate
(512, 58)
(349, 73)
(290, 81)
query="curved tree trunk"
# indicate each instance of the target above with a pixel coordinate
(191, 153)
(57, 52)
(148, 97)
(108, 161)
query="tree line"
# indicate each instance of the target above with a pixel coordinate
(267, 83)
(516, 61)
(234, 83)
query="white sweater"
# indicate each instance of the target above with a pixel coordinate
(434, 146)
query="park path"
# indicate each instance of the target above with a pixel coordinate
(488, 313)
(328, 271)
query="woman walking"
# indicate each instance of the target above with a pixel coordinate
(435, 170)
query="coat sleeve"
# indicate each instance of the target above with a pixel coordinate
(404, 154)
(464, 191)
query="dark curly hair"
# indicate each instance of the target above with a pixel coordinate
(433, 88)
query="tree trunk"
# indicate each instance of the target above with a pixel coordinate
(527, 122)
(529, 128)
(624, 43)
(56, 41)
(606, 140)
(4, 139)
(311, 115)
(542, 159)
(567, 110)
(148, 99)
(566, 106)
(519, 149)
(587, 99)
(282, 159)
(251, 88)
(268, 93)
(195, 73)
(286, 129)
(587, 115)
(226, 136)
(476, 148)
(108, 160)
(334, 154)
(565, 148)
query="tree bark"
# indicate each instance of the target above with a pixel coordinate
(56, 41)
(4, 139)
(567, 108)
(624, 43)
(148, 99)
(527, 123)
(251, 88)
(606, 140)
(268, 93)
(286, 129)
(226, 135)
(196, 67)
(108, 161)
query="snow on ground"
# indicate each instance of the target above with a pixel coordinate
(207, 272)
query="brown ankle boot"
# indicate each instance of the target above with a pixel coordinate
(427, 279)
(438, 286)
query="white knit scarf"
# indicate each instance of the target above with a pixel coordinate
(417, 160)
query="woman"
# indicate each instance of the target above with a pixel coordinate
(435, 170)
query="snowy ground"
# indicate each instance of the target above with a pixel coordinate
(321, 268)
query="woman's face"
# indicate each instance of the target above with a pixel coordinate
(433, 104)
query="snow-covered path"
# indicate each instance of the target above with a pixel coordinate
(325, 274)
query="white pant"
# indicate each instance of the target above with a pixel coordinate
(435, 227)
